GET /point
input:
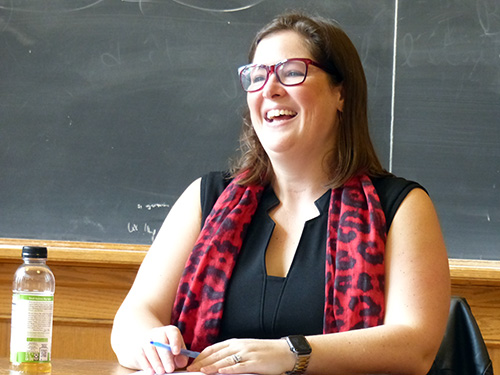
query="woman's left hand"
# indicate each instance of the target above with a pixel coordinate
(238, 356)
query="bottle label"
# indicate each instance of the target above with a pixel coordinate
(31, 327)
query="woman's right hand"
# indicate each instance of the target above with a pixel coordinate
(159, 360)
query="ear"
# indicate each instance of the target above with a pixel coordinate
(340, 89)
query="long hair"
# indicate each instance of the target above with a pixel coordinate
(353, 152)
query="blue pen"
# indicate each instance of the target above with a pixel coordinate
(186, 352)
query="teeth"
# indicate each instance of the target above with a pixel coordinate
(273, 113)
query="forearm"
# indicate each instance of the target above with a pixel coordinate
(387, 349)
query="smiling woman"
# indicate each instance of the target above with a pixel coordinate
(341, 255)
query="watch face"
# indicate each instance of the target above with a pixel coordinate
(300, 344)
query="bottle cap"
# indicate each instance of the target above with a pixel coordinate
(34, 252)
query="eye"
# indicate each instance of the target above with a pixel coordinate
(258, 77)
(292, 71)
(258, 74)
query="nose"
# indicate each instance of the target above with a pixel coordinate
(273, 87)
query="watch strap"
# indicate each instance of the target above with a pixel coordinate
(301, 349)
(301, 363)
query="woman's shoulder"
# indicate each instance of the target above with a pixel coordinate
(392, 190)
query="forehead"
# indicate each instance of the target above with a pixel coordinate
(280, 46)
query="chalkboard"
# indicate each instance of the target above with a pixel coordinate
(447, 118)
(109, 109)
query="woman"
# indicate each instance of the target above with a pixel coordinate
(312, 258)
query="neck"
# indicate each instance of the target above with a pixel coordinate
(297, 188)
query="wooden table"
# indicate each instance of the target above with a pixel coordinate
(76, 367)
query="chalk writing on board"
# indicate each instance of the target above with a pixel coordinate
(444, 40)
(159, 50)
(22, 37)
(145, 228)
(142, 228)
(407, 49)
(151, 206)
(60, 6)
(112, 59)
(218, 5)
(488, 13)
(89, 223)
(209, 5)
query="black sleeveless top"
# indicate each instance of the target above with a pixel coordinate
(262, 306)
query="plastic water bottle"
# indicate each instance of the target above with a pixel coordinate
(32, 312)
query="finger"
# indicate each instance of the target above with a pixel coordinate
(161, 359)
(230, 364)
(214, 358)
(209, 356)
(158, 361)
(181, 361)
(174, 339)
(240, 368)
(145, 365)
(176, 342)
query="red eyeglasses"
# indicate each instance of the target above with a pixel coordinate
(290, 72)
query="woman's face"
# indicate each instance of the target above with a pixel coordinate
(298, 122)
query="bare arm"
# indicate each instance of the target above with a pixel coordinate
(145, 313)
(417, 306)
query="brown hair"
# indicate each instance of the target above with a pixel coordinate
(331, 48)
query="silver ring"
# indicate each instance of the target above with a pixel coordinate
(236, 358)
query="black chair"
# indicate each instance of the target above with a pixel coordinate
(463, 351)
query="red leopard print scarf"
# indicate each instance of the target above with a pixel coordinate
(354, 283)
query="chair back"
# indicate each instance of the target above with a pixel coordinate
(463, 351)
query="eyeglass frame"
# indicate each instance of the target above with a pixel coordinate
(270, 69)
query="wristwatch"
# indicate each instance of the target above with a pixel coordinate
(300, 347)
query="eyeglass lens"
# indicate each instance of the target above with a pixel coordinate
(289, 73)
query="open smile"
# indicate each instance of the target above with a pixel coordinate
(279, 115)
